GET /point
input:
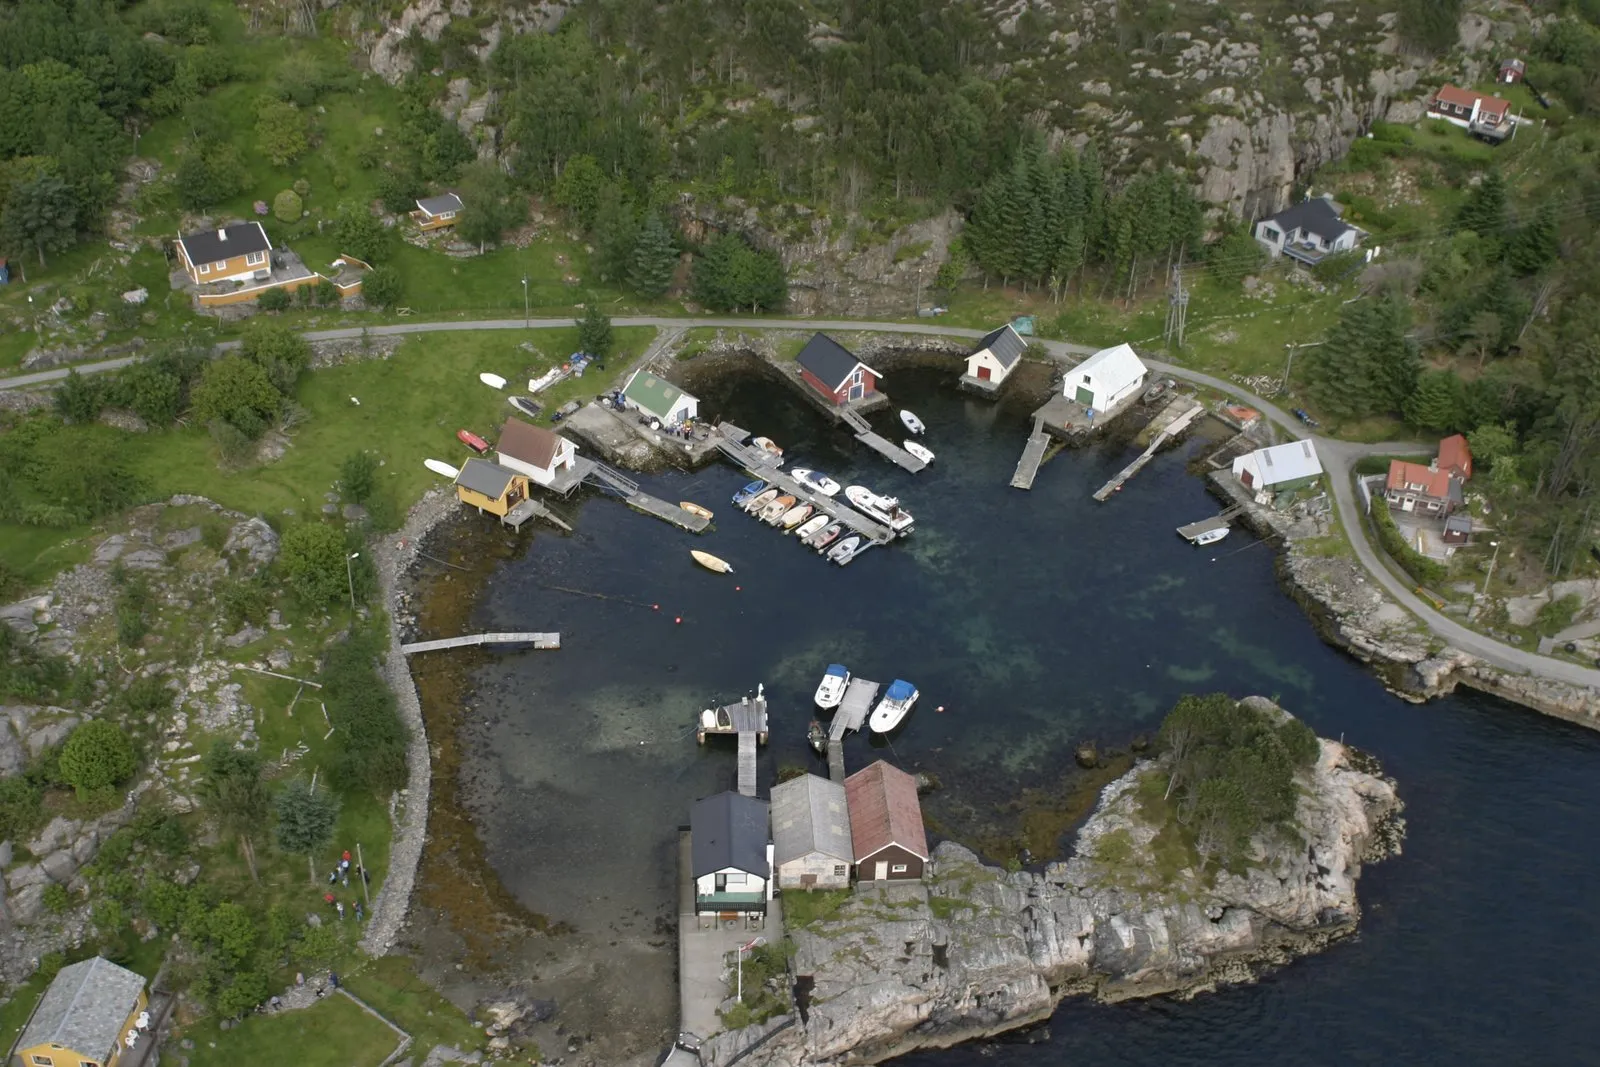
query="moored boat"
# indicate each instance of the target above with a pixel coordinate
(886, 509)
(811, 527)
(815, 480)
(827, 537)
(472, 441)
(525, 404)
(748, 493)
(796, 515)
(493, 381)
(841, 552)
(834, 682)
(911, 422)
(894, 706)
(1210, 537)
(695, 509)
(817, 734)
(439, 466)
(761, 500)
(769, 446)
(922, 453)
(775, 510)
(710, 562)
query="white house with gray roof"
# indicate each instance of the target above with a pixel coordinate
(811, 847)
(1308, 231)
(996, 356)
(84, 1018)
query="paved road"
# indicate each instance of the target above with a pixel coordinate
(1338, 457)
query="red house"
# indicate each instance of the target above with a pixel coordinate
(1456, 457)
(830, 369)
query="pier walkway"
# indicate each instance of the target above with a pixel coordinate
(528, 509)
(1032, 457)
(540, 641)
(851, 715)
(747, 764)
(758, 463)
(747, 719)
(611, 480)
(1177, 425)
(879, 444)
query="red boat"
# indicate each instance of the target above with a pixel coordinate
(473, 441)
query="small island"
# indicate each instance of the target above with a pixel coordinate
(1239, 844)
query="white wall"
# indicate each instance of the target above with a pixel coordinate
(789, 875)
(985, 358)
(738, 882)
(540, 475)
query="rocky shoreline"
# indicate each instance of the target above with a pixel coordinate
(978, 950)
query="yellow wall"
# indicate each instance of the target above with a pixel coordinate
(438, 222)
(517, 490)
(228, 268)
(64, 1057)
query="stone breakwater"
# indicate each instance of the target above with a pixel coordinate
(974, 950)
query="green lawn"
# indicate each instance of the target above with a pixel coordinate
(391, 985)
(334, 1033)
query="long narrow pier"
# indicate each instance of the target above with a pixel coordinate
(1172, 429)
(880, 444)
(747, 764)
(852, 714)
(614, 481)
(1032, 456)
(539, 641)
(759, 464)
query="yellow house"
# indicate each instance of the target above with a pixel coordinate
(235, 253)
(435, 212)
(490, 487)
(84, 1018)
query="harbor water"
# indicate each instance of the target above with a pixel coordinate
(1034, 620)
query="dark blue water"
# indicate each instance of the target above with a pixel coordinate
(1036, 619)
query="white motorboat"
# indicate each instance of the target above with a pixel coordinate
(1210, 537)
(886, 509)
(924, 454)
(439, 466)
(850, 552)
(894, 706)
(761, 500)
(812, 526)
(834, 682)
(769, 446)
(493, 381)
(912, 423)
(841, 552)
(815, 480)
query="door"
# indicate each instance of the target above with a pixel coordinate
(1085, 397)
(722, 883)
(983, 373)
(808, 881)
(1247, 478)
(880, 871)
(857, 389)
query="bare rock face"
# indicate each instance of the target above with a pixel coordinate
(974, 950)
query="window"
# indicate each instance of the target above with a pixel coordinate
(840, 870)
(898, 868)
(87, 1063)
(1271, 234)
(205, 268)
(735, 879)
(255, 259)
(43, 1061)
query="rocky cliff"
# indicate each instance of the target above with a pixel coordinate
(975, 950)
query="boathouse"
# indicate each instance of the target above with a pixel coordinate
(834, 372)
(534, 451)
(996, 356)
(490, 487)
(86, 1017)
(659, 399)
(1279, 469)
(731, 856)
(811, 834)
(886, 829)
(1106, 378)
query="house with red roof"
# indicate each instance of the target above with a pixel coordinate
(1487, 116)
(1455, 456)
(1434, 488)
(886, 831)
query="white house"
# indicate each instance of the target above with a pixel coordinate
(1106, 378)
(996, 355)
(534, 451)
(811, 834)
(1308, 231)
(659, 398)
(1267, 471)
(730, 854)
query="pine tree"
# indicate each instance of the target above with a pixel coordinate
(1012, 234)
(1534, 244)
(1484, 210)
(1094, 196)
(1366, 366)
(655, 259)
(1436, 403)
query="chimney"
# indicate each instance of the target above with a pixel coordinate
(222, 235)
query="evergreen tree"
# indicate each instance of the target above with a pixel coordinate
(594, 330)
(1430, 25)
(1012, 236)
(655, 259)
(1484, 210)
(1436, 402)
(616, 230)
(1366, 366)
(1534, 244)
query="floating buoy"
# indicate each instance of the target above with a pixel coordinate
(655, 607)
(940, 708)
(678, 620)
(737, 588)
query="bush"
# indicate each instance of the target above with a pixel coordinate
(96, 756)
(1557, 615)
(147, 694)
(358, 476)
(133, 605)
(56, 899)
(383, 287)
(287, 206)
(20, 808)
(314, 560)
(370, 738)
(79, 399)
(1422, 569)
(274, 300)
(245, 602)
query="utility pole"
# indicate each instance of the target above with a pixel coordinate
(919, 291)
(1293, 347)
(361, 871)
(350, 577)
(1177, 305)
(1487, 578)
(527, 314)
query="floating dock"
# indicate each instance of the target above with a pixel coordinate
(586, 471)
(758, 463)
(531, 509)
(1216, 522)
(1174, 426)
(747, 719)
(879, 444)
(539, 641)
(1032, 456)
(851, 715)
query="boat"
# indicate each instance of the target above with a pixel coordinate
(796, 515)
(817, 734)
(841, 552)
(769, 446)
(546, 380)
(716, 719)
(826, 537)
(493, 381)
(886, 509)
(525, 404)
(761, 500)
(892, 709)
(815, 480)
(850, 556)
(472, 441)
(773, 512)
(811, 527)
(748, 493)
(834, 682)
(439, 466)
(1210, 537)
(924, 454)
(710, 562)
(695, 509)
(912, 423)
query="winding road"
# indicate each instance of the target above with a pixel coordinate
(1338, 457)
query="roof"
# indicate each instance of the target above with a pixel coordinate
(442, 204)
(533, 445)
(1317, 215)
(1455, 455)
(655, 395)
(214, 246)
(84, 1008)
(484, 477)
(1460, 522)
(829, 361)
(729, 830)
(899, 689)
(1450, 94)
(1117, 365)
(884, 811)
(1287, 462)
(1005, 345)
(1513, 64)
(809, 814)
(1434, 482)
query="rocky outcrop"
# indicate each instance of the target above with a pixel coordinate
(392, 60)
(976, 950)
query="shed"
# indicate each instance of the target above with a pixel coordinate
(886, 828)
(1106, 378)
(534, 451)
(434, 212)
(1512, 71)
(84, 1016)
(811, 834)
(1277, 469)
(996, 355)
(659, 398)
(834, 372)
(730, 853)
(490, 487)
(1458, 529)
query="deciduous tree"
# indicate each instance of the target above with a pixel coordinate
(232, 787)
(40, 215)
(281, 131)
(313, 558)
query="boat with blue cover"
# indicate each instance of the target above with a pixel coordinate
(894, 706)
(748, 493)
(835, 680)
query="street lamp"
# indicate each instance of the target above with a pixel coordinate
(350, 577)
(527, 315)
(746, 947)
(1490, 575)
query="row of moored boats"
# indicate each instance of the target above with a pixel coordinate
(817, 526)
(892, 707)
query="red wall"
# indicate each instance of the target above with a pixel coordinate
(817, 384)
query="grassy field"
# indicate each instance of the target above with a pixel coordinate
(334, 1033)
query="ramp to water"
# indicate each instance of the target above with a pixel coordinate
(1032, 456)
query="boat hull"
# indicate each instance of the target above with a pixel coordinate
(811, 528)
(890, 713)
(761, 500)
(695, 509)
(711, 563)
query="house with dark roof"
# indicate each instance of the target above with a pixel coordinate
(490, 487)
(886, 828)
(437, 212)
(535, 452)
(996, 356)
(730, 854)
(659, 399)
(834, 372)
(235, 253)
(1487, 116)
(85, 1018)
(1308, 231)
(811, 834)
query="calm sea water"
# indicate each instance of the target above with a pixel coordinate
(1036, 619)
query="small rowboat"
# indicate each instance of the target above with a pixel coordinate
(439, 466)
(710, 562)
(821, 541)
(924, 454)
(472, 441)
(911, 422)
(493, 381)
(796, 515)
(811, 528)
(525, 404)
(748, 493)
(770, 447)
(695, 509)
(773, 512)
(761, 500)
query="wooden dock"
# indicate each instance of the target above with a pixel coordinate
(1032, 456)
(1176, 425)
(747, 764)
(531, 509)
(611, 480)
(879, 444)
(539, 641)
(747, 719)
(851, 715)
(1216, 522)
(758, 463)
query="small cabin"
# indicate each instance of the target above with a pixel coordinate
(997, 355)
(834, 372)
(437, 212)
(886, 830)
(1106, 379)
(88, 1017)
(490, 487)
(1512, 71)
(1281, 468)
(535, 452)
(730, 854)
(811, 834)
(237, 253)
(659, 399)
